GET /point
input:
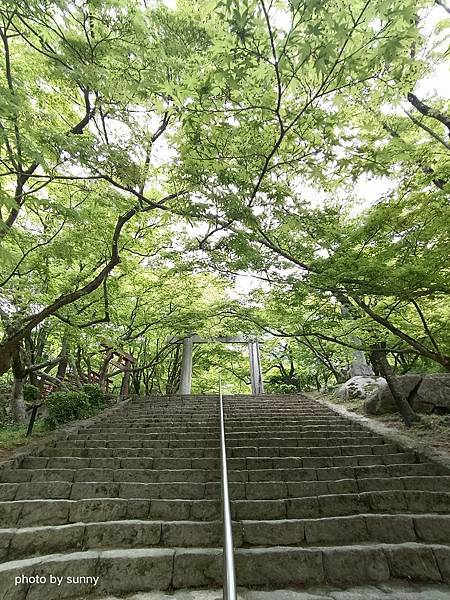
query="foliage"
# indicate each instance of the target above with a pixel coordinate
(63, 407)
(95, 395)
(150, 156)
(31, 393)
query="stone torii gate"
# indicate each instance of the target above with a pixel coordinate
(186, 361)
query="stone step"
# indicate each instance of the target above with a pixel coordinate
(242, 452)
(349, 530)
(92, 489)
(134, 498)
(130, 570)
(384, 528)
(341, 504)
(204, 475)
(349, 489)
(31, 513)
(168, 433)
(169, 421)
(230, 414)
(350, 448)
(230, 423)
(35, 541)
(81, 452)
(356, 439)
(68, 462)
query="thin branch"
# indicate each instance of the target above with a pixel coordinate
(425, 325)
(433, 134)
(427, 111)
(28, 252)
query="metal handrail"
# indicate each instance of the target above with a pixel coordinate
(229, 577)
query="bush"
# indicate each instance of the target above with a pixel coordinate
(63, 407)
(281, 388)
(31, 393)
(95, 394)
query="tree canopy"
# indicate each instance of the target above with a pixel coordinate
(151, 157)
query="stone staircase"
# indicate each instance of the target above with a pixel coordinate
(132, 502)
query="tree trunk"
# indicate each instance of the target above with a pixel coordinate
(317, 380)
(103, 373)
(17, 402)
(125, 387)
(384, 368)
(64, 362)
(174, 374)
(75, 374)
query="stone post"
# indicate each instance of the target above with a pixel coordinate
(186, 367)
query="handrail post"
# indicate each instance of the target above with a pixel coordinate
(229, 577)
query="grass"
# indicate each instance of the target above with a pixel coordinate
(433, 430)
(12, 435)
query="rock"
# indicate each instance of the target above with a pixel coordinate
(433, 395)
(380, 400)
(359, 387)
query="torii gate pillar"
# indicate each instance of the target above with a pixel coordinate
(256, 377)
(186, 367)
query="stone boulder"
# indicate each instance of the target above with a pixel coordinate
(381, 402)
(359, 387)
(433, 395)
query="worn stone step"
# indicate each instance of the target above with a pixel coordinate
(119, 475)
(348, 449)
(51, 539)
(341, 504)
(352, 529)
(347, 472)
(191, 440)
(129, 570)
(159, 476)
(81, 489)
(149, 429)
(294, 420)
(134, 533)
(154, 475)
(308, 442)
(81, 452)
(242, 452)
(131, 443)
(291, 423)
(31, 513)
(252, 463)
(348, 488)
(277, 445)
(231, 435)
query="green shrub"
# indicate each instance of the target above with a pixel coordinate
(63, 407)
(31, 393)
(95, 394)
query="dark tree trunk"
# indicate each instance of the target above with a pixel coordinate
(17, 402)
(379, 357)
(64, 361)
(317, 380)
(103, 374)
(174, 374)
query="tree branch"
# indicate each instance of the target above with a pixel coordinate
(427, 111)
